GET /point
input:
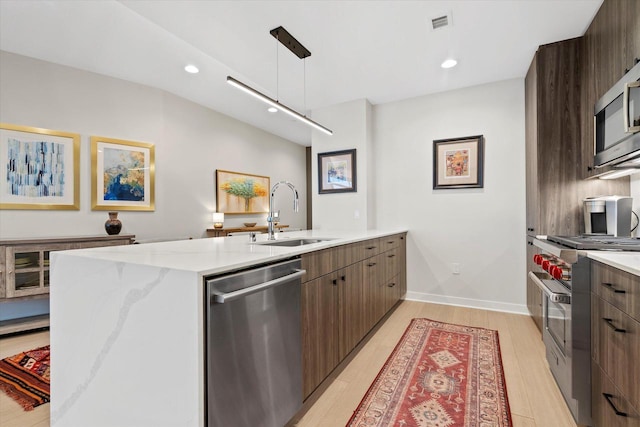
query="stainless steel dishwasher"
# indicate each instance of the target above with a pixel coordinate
(253, 346)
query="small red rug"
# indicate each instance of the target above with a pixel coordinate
(25, 377)
(439, 375)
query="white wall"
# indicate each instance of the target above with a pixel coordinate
(481, 229)
(351, 124)
(191, 142)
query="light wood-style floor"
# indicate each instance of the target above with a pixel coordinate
(534, 397)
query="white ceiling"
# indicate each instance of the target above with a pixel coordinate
(380, 50)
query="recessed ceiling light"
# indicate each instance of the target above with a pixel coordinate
(272, 109)
(191, 69)
(449, 63)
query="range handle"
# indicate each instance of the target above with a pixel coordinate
(222, 298)
(554, 295)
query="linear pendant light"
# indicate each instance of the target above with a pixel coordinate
(264, 98)
(286, 39)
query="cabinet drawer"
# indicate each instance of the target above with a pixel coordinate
(616, 347)
(318, 263)
(350, 254)
(617, 287)
(606, 400)
(389, 242)
(370, 248)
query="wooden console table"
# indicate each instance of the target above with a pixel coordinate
(24, 270)
(221, 232)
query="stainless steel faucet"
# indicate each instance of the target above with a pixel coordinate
(270, 231)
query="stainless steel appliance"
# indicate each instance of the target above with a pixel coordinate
(601, 243)
(617, 123)
(608, 215)
(563, 277)
(253, 346)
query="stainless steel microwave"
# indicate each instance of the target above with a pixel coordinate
(617, 123)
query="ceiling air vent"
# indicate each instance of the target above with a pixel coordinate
(441, 22)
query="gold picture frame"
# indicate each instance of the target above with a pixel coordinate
(42, 168)
(122, 175)
(241, 193)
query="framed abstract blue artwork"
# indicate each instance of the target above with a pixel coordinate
(40, 168)
(122, 175)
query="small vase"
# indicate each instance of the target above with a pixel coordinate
(113, 224)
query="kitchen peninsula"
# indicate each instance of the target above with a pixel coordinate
(127, 324)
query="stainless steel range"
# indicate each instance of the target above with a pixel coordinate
(598, 242)
(563, 275)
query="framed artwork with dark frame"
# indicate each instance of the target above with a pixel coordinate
(41, 168)
(122, 175)
(458, 163)
(337, 172)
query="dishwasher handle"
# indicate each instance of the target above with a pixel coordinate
(222, 298)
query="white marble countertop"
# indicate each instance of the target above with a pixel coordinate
(122, 315)
(215, 255)
(626, 261)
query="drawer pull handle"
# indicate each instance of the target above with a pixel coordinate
(335, 282)
(390, 256)
(608, 397)
(390, 242)
(391, 285)
(371, 264)
(343, 278)
(612, 326)
(370, 247)
(610, 286)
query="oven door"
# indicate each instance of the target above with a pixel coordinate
(556, 332)
(557, 323)
(556, 311)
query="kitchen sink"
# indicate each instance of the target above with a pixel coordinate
(292, 242)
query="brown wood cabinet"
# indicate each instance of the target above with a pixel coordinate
(556, 138)
(319, 330)
(615, 346)
(609, 48)
(607, 403)
(346, 291)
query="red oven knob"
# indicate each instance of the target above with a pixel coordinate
(545, 264)
(537, 258)
(556, 272)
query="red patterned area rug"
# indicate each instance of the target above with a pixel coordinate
(439, 375)
(25, 377)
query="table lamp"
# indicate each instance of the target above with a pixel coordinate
(218, 219)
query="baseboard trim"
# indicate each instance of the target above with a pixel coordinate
(468, 302)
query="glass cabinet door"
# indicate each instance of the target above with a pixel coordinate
(25, 268)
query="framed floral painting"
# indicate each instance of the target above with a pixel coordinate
(458, 162)
(241, 193)
(41, 168)
(122, 175)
